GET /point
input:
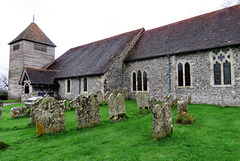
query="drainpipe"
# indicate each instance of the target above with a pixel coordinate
(169, 75)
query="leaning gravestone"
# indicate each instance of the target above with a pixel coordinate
(87, 110)
(99, 97)
(18, 112)
(119, 90)
(142, 102)
(161, 120)
(106, 97)
(116, 106)
(126, 93)
(33, 107)
(152, 102)
(1, 108)
(115, 92)
(175, 101)
(49, 116)
(182, 107)
(169, 99)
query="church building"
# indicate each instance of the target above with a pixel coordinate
(199, 55)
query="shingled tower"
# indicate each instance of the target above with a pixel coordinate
(32, 48)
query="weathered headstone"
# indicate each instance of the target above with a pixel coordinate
(182, 106)
(1, 108)
(224, 98)
(33, 107)
(142, 102)
(99, 97)
(116, 106)
(119, 90)
(106, 97)
(126, 93)
(152, 102)
(169, 99)
(175, 101)
(189, 98)
(18, 112)
(115, 92)
(161, 120)
(49, 116)
(87, 110)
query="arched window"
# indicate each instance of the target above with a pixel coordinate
(26, 91)
(68, 86)
(180, 74)
(227, 72)
(134, 81)
(145, 81)
(85, 84)
(187, 75)
(139, 80)
(217, 73)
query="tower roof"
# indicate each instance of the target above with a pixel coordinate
(35, 34)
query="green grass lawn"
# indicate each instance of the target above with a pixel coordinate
(214, 136)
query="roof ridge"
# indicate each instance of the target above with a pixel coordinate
(106, 38)
(41, 69)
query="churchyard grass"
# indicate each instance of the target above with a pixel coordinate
(214, 136)
(10, 101)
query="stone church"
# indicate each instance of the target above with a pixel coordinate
(199, 55)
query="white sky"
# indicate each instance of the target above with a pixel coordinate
(71, 23)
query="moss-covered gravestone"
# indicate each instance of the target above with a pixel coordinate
(18, 112)
(116, 106)
(126, 93)
(152, 102)
(1, 108)
(106, 97)
(142, 102)
(161, 121)
(99, 97)
(87, 110)
(182, 107)
(49, 116)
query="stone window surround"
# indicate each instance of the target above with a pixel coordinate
(183, 62)
(66, 84)
(137, 81)
(211, 54)
(27, 82)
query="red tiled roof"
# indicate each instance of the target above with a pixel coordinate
(35, 34)
(212, 30)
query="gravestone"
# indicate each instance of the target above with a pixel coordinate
(1, 109)
(189, 98)
(182, 107)
(175, 101)
(152, 102)
(116, 107)
(161, 120)
(169, 99)
(99, 97)
(33, 107)
(87, 110)
(64, 104)
(142, 102)
(119, 90)
(49, 116)
(126, 93)
(107, 94)
(115, 92)
(18, 112)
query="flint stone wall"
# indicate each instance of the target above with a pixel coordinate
(49, 116)
(18, 112)
(116, 107)
(200, 88)
(1, 108)
(162, 121)
(87, 110)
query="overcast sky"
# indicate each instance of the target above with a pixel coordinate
(71, 23)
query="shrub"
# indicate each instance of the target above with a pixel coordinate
(185, 118)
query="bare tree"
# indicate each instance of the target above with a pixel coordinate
(228, 3)
(3, 83)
